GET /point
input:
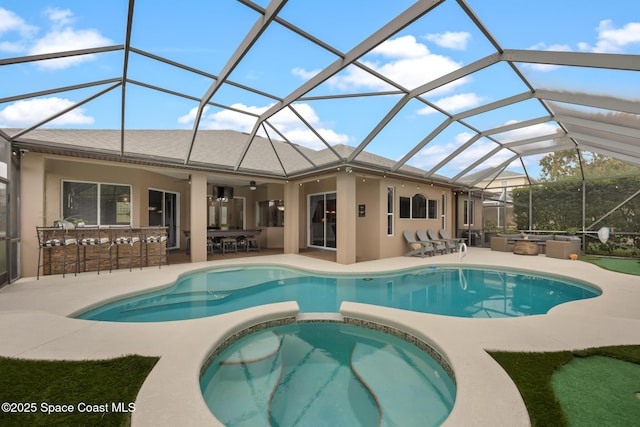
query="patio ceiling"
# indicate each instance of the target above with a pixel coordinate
(203, 68)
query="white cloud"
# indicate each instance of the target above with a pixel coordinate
(403, 47)
(59, 17)
(296, 132)
(304, 74)
(435, 152)
(612, 39)
(188, 118)
(454, 103)
(450, 39)
(404, 60)
(61, 37)
(12, 47)
(29, 112)
(285, 121)
(229, 119)
(353, 78)
(10, 22)
(64, 40)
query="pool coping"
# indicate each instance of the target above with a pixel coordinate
(33, 324)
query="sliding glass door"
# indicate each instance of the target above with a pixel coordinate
(163, 211)
(322, 220)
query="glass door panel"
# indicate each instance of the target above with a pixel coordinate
(322, 220)
(330, 220)
(170, 220)
(155, 208)
(316, 221)
(163, 212)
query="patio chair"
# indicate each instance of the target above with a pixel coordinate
(449, 244)
(252, 244)
(445, 235)
(437, 245)
(417, 248)
(229, 244)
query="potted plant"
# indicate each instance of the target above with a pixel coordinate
(224, 226)
(69, 222)
(571, 231)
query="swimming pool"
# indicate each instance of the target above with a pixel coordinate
(453, 291)
(326, 374)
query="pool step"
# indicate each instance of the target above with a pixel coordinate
(261, 346)
(401, 383)
(315, 386)
(240, 388)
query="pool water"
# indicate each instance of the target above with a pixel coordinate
(326, 374)
(451, 291)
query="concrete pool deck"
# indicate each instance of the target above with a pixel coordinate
(34, 324)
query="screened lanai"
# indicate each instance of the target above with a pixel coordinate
(469, 94)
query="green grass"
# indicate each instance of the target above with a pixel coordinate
(550, 384)
(39, 383)
(621, 265)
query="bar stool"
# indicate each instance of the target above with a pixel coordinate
(94, 238)
(229, 244)
(154, 236)
(252, 244)
(122, 236)
(50, 238)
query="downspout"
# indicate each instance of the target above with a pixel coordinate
(530, 206)
(469, 219)
(584, 213)
(482, 217)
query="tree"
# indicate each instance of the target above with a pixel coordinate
(566, 165)
(557, 203)
(560, 165)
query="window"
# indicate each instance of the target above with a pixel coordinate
(96, 203)
(226, 213)
(390, 193)
(432, 209)
(418, 207)
(271, 213)
(468, 212)
(405, 207)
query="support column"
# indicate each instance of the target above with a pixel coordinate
(198, 217)
(291, 218)
(32, 182)
(346, 218)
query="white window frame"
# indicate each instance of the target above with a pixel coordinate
(427, 202)
(469, 211)
(435, 213)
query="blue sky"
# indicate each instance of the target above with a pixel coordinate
(203, 34)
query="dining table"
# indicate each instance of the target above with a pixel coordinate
(231, 239)
(219, 233)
